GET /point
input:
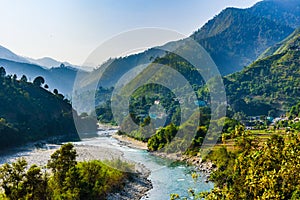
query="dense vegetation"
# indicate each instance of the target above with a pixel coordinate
(29, 112)
(267, 171)
(270, 85)
(255, 169)
(267, 87)
(68, 179)
(260, 164)
(244, 34)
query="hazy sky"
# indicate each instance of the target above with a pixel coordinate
(69, 30)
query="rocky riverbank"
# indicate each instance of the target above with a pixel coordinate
(204, 166)
(135, 188)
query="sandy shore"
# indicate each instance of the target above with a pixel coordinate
(84, 153)
(130, 142)
(134, 189)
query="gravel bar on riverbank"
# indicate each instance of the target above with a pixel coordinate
(134, 189)
(130, 142)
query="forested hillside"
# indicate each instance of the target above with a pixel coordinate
(29, 112)
(236, 37)
(269, 85)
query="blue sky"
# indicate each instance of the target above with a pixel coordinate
(69, 30)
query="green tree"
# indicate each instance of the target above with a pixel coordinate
(38, 81)
(55, 91)
(36, 184)
(69, 180)
(61, 162)
(12, 177)
(2, 72)
(23, 79)
(14, 77)
(268, 172)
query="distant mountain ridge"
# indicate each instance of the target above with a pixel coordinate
(280, 11)
(58, 75)
(234, 38)
(50, 62)
(47, 62)
(237, 37)
(9, 55)
(61, 78)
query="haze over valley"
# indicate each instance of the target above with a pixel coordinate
(175, 100)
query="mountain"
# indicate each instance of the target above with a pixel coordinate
(29, 112)
(269, 85)
(58, 75)
(9, 55)
(280, 46)
(112, 70)
(280, 11)
(46, 62)
(49, 62)
(236, 37)
(61, 78)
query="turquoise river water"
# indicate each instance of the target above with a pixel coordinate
(166, 176)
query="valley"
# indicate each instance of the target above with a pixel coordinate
(213, 115)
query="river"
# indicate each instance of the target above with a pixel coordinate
(166, 176)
